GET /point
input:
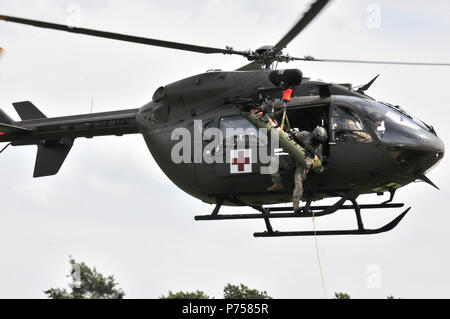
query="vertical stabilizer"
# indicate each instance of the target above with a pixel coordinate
(50, 157)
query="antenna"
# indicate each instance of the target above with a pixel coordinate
(92, 103)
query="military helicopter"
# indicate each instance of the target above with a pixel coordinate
(393, 147)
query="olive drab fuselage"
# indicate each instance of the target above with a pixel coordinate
(372, 166)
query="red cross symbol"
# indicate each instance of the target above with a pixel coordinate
(241, 160)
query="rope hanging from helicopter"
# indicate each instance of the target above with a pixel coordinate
(284, 120)
(318, 256)
(287, 93)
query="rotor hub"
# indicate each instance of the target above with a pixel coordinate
(266, 55)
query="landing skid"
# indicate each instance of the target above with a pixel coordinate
(361, 231)
(267, 213)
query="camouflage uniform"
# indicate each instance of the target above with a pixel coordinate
(285, 163)
(301, 172)
(304, 139)
(299, 177)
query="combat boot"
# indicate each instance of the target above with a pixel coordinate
(275, 187)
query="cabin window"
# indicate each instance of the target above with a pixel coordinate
(237, 128)
(347, 126)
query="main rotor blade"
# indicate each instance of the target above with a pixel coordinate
(312, 59)
(309, 16)
(121, 37)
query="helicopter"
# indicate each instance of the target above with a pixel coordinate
(393, 147)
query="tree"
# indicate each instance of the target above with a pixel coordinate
(87, 283)
(341, 295)
(243, 292)
(186, 295)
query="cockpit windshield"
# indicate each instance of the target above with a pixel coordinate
(394, 125)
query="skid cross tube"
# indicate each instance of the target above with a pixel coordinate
(265, 213)
(391, 196)
(215, 212)
(358, 214)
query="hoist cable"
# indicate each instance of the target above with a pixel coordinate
(318, 257)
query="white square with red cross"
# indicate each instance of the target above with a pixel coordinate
(240, 161)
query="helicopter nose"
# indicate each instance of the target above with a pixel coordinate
(435, 154)
(419, 159)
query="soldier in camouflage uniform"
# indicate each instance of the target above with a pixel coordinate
(312, 144)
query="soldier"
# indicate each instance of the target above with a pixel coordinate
(312, 144)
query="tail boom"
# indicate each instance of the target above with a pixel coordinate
(27, 132)
(54, 137)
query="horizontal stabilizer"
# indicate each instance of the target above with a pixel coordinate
(6, 128)
(27, 111)
(50, 157)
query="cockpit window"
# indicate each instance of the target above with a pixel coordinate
(347, 126)
(394, 126)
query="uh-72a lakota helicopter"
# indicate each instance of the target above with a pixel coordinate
(387, 149)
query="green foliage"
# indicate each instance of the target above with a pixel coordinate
(186, 295)
(243, 292)
(341, 295)
(87, 283)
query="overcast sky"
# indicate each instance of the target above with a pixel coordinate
(113, 208)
